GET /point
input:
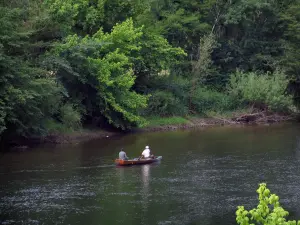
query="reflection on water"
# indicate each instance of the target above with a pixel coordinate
(203, 177)
(145, 190)
(145, 177)
(297, 149)
(120, 173)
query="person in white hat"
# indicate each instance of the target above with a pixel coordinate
(146, 153)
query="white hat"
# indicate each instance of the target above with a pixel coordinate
(147, 146)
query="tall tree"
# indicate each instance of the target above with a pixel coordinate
(29, 95)
(99, 70)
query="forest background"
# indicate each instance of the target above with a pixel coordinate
(67, 65)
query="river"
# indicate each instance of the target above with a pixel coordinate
(204, 175)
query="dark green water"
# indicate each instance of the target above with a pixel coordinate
(203, 177)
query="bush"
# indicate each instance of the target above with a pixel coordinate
(177, 85)
(55, 127)
(165, 103)
(205, 100)
(70, 117)
(265, 90)
(268, 211)
(68, 120)
(169, 96)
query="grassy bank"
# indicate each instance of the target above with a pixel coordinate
(238, 117)
(165, 121)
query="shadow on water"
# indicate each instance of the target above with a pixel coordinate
(203, 177)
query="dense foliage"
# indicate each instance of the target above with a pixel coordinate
(71, 63)
(265, 91)
(268, 211)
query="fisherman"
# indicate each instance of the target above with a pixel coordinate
(122, 155)
(146, 154)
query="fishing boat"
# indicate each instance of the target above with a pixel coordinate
(136, 161)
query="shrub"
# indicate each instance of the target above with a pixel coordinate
(205, 100)
(169, 96)
(175, 84)
(265, 90)
(268, 211)
(55, 127)
(165, 103)
(70, 116)
(68, 120)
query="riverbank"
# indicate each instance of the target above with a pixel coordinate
(77, 136)
(214, 119)
(238, 118)
(73, 137)
(241, 118)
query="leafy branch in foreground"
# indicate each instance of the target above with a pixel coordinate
(268, 211)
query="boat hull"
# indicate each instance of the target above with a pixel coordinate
(132, 162)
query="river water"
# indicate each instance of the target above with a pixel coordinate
(204, 175)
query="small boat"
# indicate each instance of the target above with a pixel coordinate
(136, 161)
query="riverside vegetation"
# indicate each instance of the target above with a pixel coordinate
(68, 65)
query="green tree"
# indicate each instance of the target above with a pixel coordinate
(88, 16)
(182, 22)
(98, 71)
(290, 18)
(201, 68)
(29, 95)
(268, 211)
(251, 37)
(104, 67)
